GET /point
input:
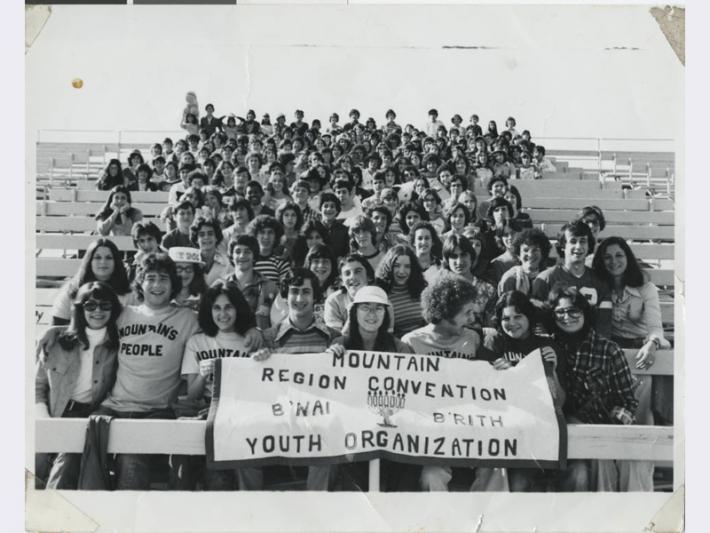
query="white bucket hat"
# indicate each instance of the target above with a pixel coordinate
(371, 294)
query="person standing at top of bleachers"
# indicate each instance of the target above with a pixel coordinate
(432, 126)
(210, 123)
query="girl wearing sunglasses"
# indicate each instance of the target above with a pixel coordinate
(75, 372)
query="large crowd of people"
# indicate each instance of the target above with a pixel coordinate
(298, 238)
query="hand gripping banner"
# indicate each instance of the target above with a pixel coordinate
(325, 408)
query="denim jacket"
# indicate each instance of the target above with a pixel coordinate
(58, 370)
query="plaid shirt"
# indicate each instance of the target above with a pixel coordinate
(598, 380)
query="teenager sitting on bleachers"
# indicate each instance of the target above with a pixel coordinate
(599, 381)
(117, 216)
(574, 242)
(111, 176)
(206, 234)
(102, 262)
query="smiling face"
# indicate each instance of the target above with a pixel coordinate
(103, 263)
(615, 260)
(147, 243)
(568, 317)
(300, 301)
(243, 257)
(422, 242)
(266, 237)
(156, 288)
(362, 237)
(457, 219)
(515, 324)
(576, 248)
(460, 262)
(354, 276)
(498, 189)
(370, 317)
(500, 215)
(96, 313)
(328, 211)
(186, 273)
(401, 269)
(289, 218)
(206, 238)
(224, 313)
(465, 317)
(456, 188)
(411, 218)
(322, 268)
(530, 257)
(380, 222)
(120, 199)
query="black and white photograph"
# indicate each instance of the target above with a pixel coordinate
(355, 267)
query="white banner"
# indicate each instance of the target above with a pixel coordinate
(325, 408)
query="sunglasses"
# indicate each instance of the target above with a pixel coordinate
(572, 312)
(92, 305)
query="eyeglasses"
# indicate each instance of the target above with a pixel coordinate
(92, 305)
(572, 312)
(372, 309)
(183, 269)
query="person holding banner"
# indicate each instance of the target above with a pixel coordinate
(300, 333)
(367, 329)
(513, 340)
(600, 387)
(224, 318)
(449, 307)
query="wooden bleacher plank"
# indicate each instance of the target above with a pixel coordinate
(564, 189)
(78, 195)
(612, 217)
(187, 437)
(667, 312)
(57, 267)
(662, 366)
(64, 224)
(45, 297)
(578, 202)
(661, 277)
(45, 241)
(77, 208)
(629, 232)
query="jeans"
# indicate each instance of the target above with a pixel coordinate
(133, 470)
(436, 478)
(64, 472)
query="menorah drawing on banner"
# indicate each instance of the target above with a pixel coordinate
(385, 404)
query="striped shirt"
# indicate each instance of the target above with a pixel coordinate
(287, 338)
(407, 311)
(273, 267)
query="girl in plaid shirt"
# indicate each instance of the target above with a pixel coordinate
(600, 387)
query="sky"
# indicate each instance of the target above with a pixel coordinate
(561, 71)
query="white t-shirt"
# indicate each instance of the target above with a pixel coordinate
(82, 388)
(426, 342)
(151, 348)
(201, 347)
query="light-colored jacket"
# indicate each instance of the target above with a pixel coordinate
(58, 369)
